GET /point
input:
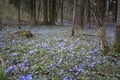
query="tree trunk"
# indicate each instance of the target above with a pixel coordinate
(31, 2)
(39, 9)
(79, 15)
(34, 10)
(88, 11)
(52, 12)
(116, 5)
(117, 32)
(19, 4)
(61, 11)
(73, 28)
(100, 17)
(45, 18)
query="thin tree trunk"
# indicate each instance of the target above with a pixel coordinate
(50, 12)
(45, 4)
(74, 11)
(39, 9)
(88, 11)
(31, 2)
(54, 14)
(34, 10)
(61, 11)
(116, 10)
(19, 14)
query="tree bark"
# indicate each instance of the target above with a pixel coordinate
(73, 27)
(61, 11)
(52, 12)
(117, 32)
(39, 9)
(19, 4)
(34, 10)
(45, 19)
(100, 17)
(79, 15)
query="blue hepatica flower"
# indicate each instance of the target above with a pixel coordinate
(78, 69)
(60, 72)
(46, 46)
(1, 44)
(96, 51)
(38, 45)
(82, 71)
(26, 77)
(61, 45)
(31, 51)
(68, 78)
(88, 57)
(51, 66)
(11, 68)
(91, 52)
(91, 65)
(21, 66)
(26, 62)
(71, 45)
(59, 62)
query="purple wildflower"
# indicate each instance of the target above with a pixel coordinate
(91, 65)
(26, 77)
(14, 54)
(97, 51)
(91, 52)
(59, 62)
(68, 78)
(31, 51)
(10, 69)
(61, 45)
(26, 62)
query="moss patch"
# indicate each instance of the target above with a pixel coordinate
(25, 33)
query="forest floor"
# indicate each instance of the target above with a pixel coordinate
(53, 54)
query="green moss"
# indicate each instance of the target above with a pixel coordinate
(25, 33)
(116, 47)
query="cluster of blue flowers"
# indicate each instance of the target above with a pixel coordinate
(94, 51)
(10, 69)
(68, 78)
(22, 67)
(78, 69)
(26, 77)
(46, 46)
